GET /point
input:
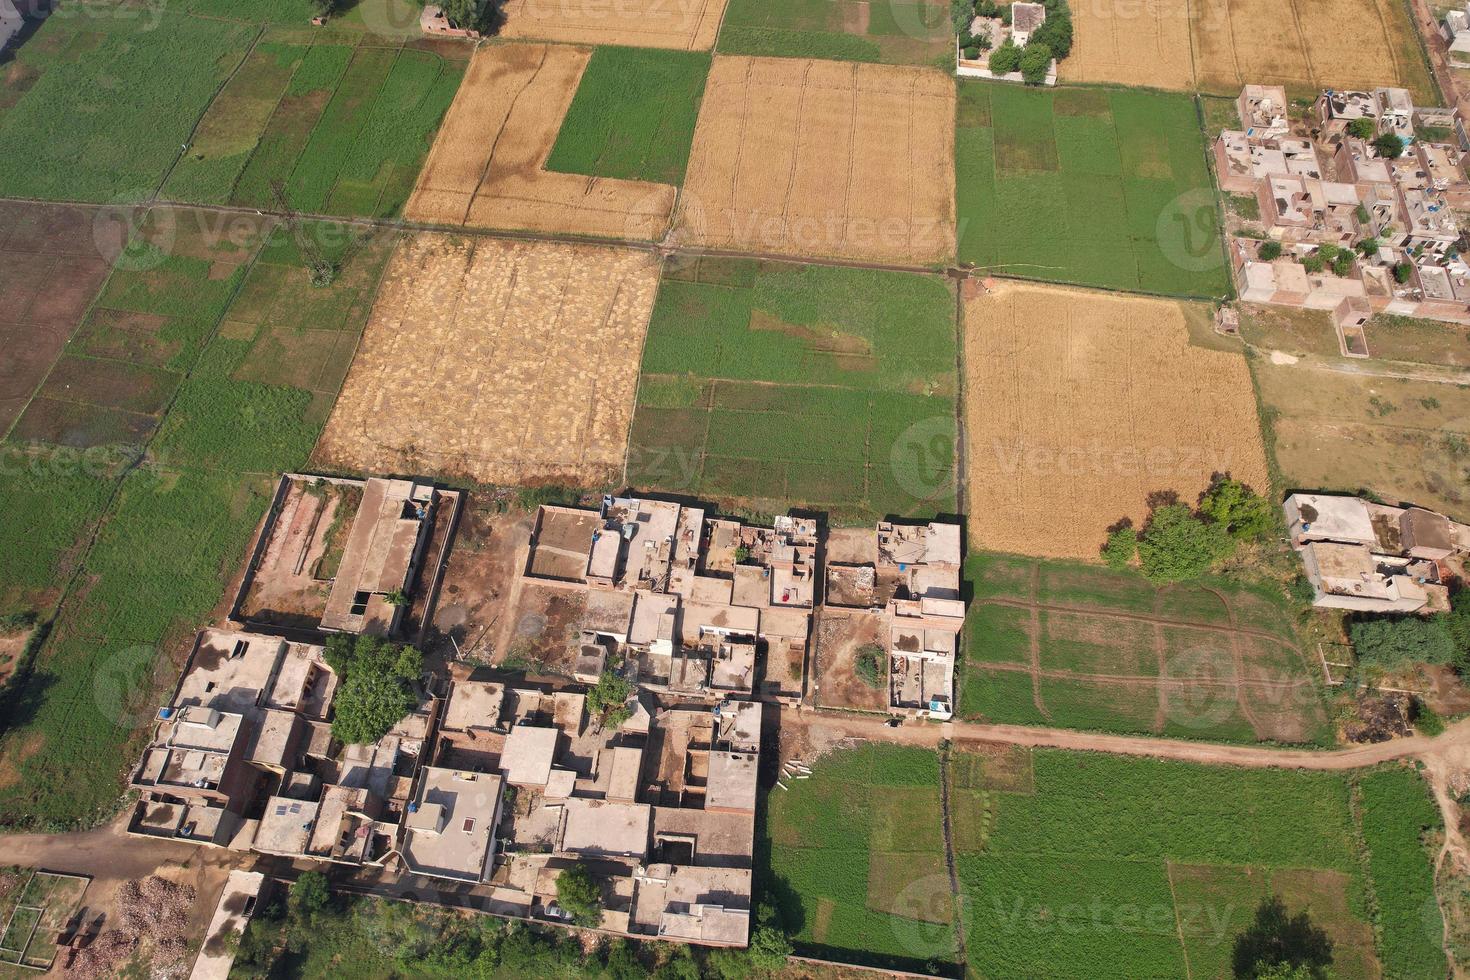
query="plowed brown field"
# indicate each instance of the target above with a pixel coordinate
(823, 159)
(487, 167)
(1079, 405)
(690, 25)
(1219, 45)
(503, 362)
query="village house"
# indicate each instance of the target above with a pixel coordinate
(1262, 110)
(1455, 29)
(1368, 557)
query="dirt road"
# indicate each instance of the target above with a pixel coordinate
(825, 728)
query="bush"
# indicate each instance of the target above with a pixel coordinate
(1121, 546)
(1247, 515)
(1394, 644)
(579, 895)
(1342, 265)
(609, 699)
(1401, 272)
(1362, 129)
(961, 12)
(1270, 250)
(1427, 720)
(1176, 545)
(868, 665)
(1005, 59)
(1035, 60)
(1368, 247)
(1314, 263)
(972, 52)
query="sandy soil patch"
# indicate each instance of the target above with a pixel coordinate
(497, 361)
(1080, 405)
(1219, 45)
(823, 158)
(689, 25)
(1131, 42)
(487, 167)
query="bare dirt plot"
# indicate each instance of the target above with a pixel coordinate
(481, 582)
(689, 25)
(1133, 42)
(1219, 45)
(1080, 405)
(823, 158)
(839, 637)
(50, 271)
(1403, 440)
(476, 364)
(487, 167)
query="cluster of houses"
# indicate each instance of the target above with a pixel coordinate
(698, 605)
(1323, 183)
(1370, 558)
(494, 785)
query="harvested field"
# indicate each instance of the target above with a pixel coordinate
(1219, 45)
(823, 158)
(1081, 405)
(474, 363)
(1401, 439)
(488, 167)
(50, 272)
(689, 25)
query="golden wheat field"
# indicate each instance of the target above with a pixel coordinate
(824, 159)
(690, 25)
(497, 361)
(487, 168)
(1219, 45)
(1080, 405)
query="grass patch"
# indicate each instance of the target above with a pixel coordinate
(773, 386)
(902, 32)
(1397, 812)
(1121, 200)
(112, 100)
(633, 115)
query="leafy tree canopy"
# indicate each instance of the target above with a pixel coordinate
(1362, 129)
(1035, 60)
(1389, 146)
(1121, 546)
(375, 688)
(1394, 644)
(1176, 545)
(1246, 514)
(1005, 59)
(579, 895)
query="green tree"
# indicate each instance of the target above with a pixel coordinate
(1401, 272)
(1035, 60)
(1389, 146)
(1394, 644)
(1368, 247)
(1121, 546)
(1362, 129)
(1005, 59)
(622, 962)
(1278, 941)
(579, 895)
(375, 689)
(608, 700)
(1246, 514)
(309, 897)
(1056, 31)
(1176, 545)
(961, 12)
(1270, 250)
(1315, 262)
(471, 15)
(769, 948)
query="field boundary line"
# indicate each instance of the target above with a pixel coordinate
(1178, 925)
(1133, 680)
(957, 893)
(194, 130)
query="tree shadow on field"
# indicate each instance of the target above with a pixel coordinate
(1278, 939)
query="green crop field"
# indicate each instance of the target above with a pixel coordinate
(1090, 186)
(1078, 864)
(1114, 653)
(856, 859)
(776, 385)
(900, 32)
(97, 103)
(633, 115)
(222, 306)
(345, 127)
